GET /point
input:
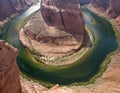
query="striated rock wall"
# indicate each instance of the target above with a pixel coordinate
(9, 7)
(64, 14)
(9, 72)
(110, 7)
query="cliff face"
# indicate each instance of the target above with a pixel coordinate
(9, 7)
(111, 7)
(64, 14)
(59, 28)
(9, 73)
(114, 7)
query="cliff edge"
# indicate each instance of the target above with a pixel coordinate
(9, 72)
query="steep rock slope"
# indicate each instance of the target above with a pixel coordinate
(57, 30)
(9, 73)
(9, 7)
(110, 7)
(64, 14)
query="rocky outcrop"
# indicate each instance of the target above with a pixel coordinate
(64, 15)
(9, 73)
(110, 7)
(57, 30)
(47, 40)
(9, 7)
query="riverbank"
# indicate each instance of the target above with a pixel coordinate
(114, 21)
(29, 67)
(5, 21)
(65, 53)
(109, 82)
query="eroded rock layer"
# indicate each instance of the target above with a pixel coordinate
(110, 7)
(47, 40)
(57, 30)
(9, 7)
(9, 73)
(64, 14)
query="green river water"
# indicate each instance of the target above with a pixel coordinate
(80, 71)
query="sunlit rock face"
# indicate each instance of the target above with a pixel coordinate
(64, 14)
(111, 7)
(9, 7)
(9, 73)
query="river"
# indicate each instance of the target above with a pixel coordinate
(81, 71)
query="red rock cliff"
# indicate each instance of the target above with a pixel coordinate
(9, 73)
(64, 14)
(8, 7)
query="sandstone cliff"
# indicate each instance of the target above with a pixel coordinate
(64, 14)
(9, 7)
(57, 30)
(110, 7)
(9, 73)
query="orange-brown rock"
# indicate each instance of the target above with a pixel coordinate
(9, 72)
(65, 15)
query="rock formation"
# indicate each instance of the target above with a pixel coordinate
(110, 7)
(57, 30)
(9, 72)
(65, 15)
(9, 7)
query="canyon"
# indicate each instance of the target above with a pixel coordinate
(111, 8)
(64, 35)
(9, 7)
(56, 31)
(108, 9)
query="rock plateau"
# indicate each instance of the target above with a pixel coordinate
(57, 30)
